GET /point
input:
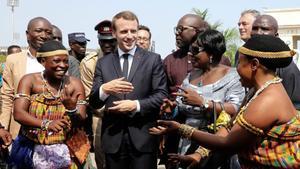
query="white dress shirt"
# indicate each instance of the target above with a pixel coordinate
(103, 95)
(32, 65)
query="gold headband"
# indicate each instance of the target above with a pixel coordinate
(259, 54)
(52, 53)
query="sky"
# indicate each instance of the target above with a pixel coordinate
(161, 16)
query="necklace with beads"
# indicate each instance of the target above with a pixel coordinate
(46, 85)
(267, 84)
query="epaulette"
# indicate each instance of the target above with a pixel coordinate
(90, 56)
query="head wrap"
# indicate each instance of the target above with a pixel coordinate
(52, 48)
(270, 50)
(266, 46)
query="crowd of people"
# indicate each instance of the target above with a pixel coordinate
(123, 107)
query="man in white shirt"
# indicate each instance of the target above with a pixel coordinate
(131, 83)
(39, 30)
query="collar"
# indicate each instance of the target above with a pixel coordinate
(131, 52)
(29, 53)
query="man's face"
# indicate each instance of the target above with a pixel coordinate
(56, 35)
(79, 49)
(126, 33)
(184, 32)
(107, 45)
(143, 39)
(245, 26)
(39, 32)
(263, 26)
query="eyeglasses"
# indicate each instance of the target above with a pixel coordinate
(180, 29)
(194, 50)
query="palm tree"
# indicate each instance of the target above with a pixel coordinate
(231, 34)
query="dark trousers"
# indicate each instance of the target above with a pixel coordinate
(130, 158)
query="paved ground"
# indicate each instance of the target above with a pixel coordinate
(94, 163)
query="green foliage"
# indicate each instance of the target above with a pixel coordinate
(2, 58)
(231, 35)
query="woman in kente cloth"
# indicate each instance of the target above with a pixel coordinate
(266, 131)
(46, 105)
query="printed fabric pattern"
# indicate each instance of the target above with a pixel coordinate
(279, 147)
(44, 106)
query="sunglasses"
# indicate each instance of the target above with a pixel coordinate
(195, 50)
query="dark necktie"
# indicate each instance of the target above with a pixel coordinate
(125, 65)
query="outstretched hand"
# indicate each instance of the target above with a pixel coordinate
(167, 108)
(189, 96)
(164, 127)
(182, 160)
(123, 106)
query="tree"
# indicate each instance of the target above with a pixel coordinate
(231, 35)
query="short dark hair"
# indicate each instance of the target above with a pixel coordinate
(11, 47)
(213, 43)
(127, 15)
(145, 28)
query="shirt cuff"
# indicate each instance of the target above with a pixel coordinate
(138, 109)
(102, 95)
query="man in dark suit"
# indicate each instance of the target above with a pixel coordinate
(131, 83)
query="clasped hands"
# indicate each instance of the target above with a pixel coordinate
(120, 86)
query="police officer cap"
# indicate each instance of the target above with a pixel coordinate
(77, 37)
(104, 30)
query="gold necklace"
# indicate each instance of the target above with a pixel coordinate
(275, 80)
(46, 85)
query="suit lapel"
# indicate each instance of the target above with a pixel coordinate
(116, 63)
(135, 63)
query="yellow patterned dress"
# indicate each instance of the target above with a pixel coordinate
(278, 148)
(44, 106)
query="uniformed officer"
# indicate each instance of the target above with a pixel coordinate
(107, 45)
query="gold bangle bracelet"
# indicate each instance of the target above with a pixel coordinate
(186, 131)
(202, 151)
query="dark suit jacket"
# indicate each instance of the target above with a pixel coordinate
(291, 81)
(150, 88)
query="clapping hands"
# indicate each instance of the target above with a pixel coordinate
(117, 86)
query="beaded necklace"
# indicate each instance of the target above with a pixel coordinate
(267, 84)
(46, 85)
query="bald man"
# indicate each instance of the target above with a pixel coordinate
(56, 33)
(39, 30)
(267, 25)
(178, 64)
